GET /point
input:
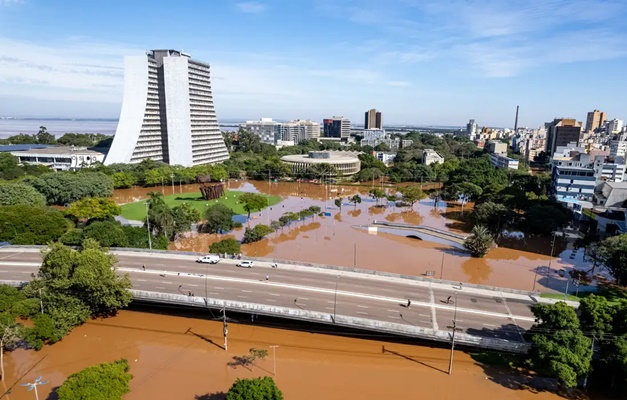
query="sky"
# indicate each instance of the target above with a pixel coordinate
(429, 62)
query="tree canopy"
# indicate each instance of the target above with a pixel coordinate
(218, 219)
(612, 254)
(253, 202)
(107, 381)
(65, 187)
(93, 208)
(24, 224)
(12, 194)
(254, 389)
(480, 242)
(228, 246)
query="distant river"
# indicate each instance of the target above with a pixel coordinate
(58, 127)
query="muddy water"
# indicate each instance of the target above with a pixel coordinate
(335, 239)
(180, 358)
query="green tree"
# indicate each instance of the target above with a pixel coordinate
(367, 174)
(218, 218)
(107, 233)
(184, 215)
(123, 180)
(355, 199)
(12, 194)
(256, 234)
(411, 194)
(93, 208)
(253, 202)
(338, 203)
(559, 350)
(480, 242)
(612, 254)
(254, 389)
(597, 314)
(107, 381)
(24, 224)
(44, 137)
(377, 194)
(492, 215)
(73, 237)
(88, 274)
(65, 187)
(10, 335)
(228, 246)
(370, 161)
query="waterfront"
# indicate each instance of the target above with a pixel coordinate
(335, 240)
(181, 358)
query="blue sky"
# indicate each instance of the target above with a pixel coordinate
(432, 62)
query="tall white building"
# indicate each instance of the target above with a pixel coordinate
(299, 130)
(615, 126)
(167, 112)
(269, 131)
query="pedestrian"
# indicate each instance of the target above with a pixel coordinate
(189, 293)
(144, 267)
(408, 303)
(448, 300)
(267, 277)
(193, 294)
(295, 300)
(164, 272)
(460, 286)
(180, 286)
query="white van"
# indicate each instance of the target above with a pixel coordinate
(211, 259)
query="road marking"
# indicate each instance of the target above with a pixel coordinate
(301, 304)
(329, 308)
(491, 325)
(354, 295)
(160, 287)
(272, 300)
(169, 283)
(20, 263)
(303, 298)
(219, 288)
(362, 313)
(243, 297)
(189, 284)
(424, 315)
(360, 306)
(214, 293)
(274, 294)
(141, 280)
(434, 320)
(25, 272)
(247, 291)
(394, 311)
(4, 271)
(512, 317)
(393, 317)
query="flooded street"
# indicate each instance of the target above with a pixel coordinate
(180, 358)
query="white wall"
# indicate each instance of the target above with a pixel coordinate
(133, 109)
(176, 79)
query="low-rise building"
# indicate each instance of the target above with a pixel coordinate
(611, 194)
(430, 156)
(346, 163)
(386, 158)
(501, 161)
(61, 158)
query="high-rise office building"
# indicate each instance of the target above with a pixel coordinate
(595, 120)
(373, 119)
(471, 129)
(561, 132)
(336, 127)
(167, 112)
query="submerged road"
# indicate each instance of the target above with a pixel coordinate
(480, 312)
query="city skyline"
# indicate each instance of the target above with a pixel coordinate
(419, 62)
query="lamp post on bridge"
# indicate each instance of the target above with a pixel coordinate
(450, 362)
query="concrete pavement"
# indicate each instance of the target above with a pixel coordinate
(480, 312)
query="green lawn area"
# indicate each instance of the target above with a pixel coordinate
(560, 296)
(137, 210)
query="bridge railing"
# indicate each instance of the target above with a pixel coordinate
(421, 227)
(328, 318)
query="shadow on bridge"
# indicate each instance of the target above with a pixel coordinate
(211, 396)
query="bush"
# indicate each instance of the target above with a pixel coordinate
(12, 194)
(255, 388)
(256, 234)
(73, 237)
(228, 246)
(23, 224)
(107, 381)
(108, 234)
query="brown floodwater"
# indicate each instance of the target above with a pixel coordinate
(180, 358)
(336, 240)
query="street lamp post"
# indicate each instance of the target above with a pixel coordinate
(148, 226)
(450, 362)
(548, 275)
(172, 176)
(273, 347)
(225, 328)
(354, 254)
(335, 299)
(33, 386)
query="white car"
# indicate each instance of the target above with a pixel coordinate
(245, 264)
(211, 259)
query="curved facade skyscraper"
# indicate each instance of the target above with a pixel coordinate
(167, 112)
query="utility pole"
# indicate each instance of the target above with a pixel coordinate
(450, 362)
(41, 302)
(273, 347)
(442, 266)
(172, 176)
(148, 226)
(335, 299)
(354, 254)
(225, 329)
(585, 380)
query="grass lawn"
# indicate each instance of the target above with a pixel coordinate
(137, 211)
(560, 296)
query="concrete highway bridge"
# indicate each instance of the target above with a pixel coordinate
(485, 317)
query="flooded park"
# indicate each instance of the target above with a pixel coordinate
(338, 240)
(163, 349)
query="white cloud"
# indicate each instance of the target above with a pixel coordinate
(251, 7)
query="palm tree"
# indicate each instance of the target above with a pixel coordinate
(480, 242)
(355, 199)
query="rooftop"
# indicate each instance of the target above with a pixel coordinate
(61, 150)
(617, 185)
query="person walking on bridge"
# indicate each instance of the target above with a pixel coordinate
(408, 303)
(267, 277)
